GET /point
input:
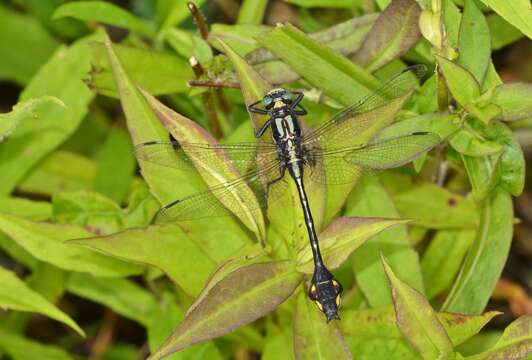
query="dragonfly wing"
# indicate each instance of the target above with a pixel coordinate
(351, 121)
(234, 195)
(179, 155)
(390, 153)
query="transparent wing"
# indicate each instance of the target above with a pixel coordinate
(174, 154)
(341, 165)
(209, 203)
(352, 121)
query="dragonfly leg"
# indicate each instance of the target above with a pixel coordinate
(282, 170)
(254, 109)
(264, 127)
(296, 103)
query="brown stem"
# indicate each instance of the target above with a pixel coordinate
(199, 19)
(105, 335)
(207, 99)
(214, 83)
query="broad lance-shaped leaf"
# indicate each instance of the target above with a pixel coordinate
(29, 109)
(371, 198)
(442, 259)
(143, 125)
(486, 258)
(103, 12)
(60, 77)
(46, 242)
(240, 298)
(343, 236)
(395, 31)
(184, 259)
(516, 12)
(120, 295)
(16, 295)
(514, 344)
(321, 66)
(18, 346)
(381, 322)
(417, 321)
(313, 337)
(515, 100)
(148, 68)
(254, 87)
(474, 41)
(463, 86)
(215, 171)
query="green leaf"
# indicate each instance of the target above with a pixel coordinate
(514, 344)
(417, 321)
(116, 166)
(469, 143)
(61, 170)
(242, 297)
(485, 261)
(442, 259)
(430, 205)
(30, 109)
(16, 295)
(462, 84)
(89, 210)
(163, 321)
(188, 44)
(187, 261)
(313, 337)
(123, 296)
(19, 347)
(251, 11)
(104, 12)
(46, 242)
(381, 323)
(148, 69)
(343, 236)
(60, 77)
(395, 31)
(502, 33)
(370, 198)
(319, 65)
(144, 126)
(30, 209)
(19, 61)
(514, 100)
(214, 171)
(323, 3)
(516, 12)
(241, 38)
(474, 41)
(173, 12)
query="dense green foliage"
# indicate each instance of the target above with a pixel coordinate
(419, 250)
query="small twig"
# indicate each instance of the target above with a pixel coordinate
(207, 99)
(199, 19)
(214, 84)
(105, 336)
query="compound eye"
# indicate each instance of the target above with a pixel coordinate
(267, 101)
(287, 97)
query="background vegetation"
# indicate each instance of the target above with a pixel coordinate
(83, 273)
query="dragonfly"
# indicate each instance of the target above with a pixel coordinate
(327, 154)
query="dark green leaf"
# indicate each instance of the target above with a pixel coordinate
(370, 198)
(502, 32)
(19, 61)
(485, 261)
(313, 337)
(103, 12)
(16, 295)
(474, 41)
(60, 77)
(46, 242)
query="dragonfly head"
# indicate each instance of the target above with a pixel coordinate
(326, 295)
(277, 98)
